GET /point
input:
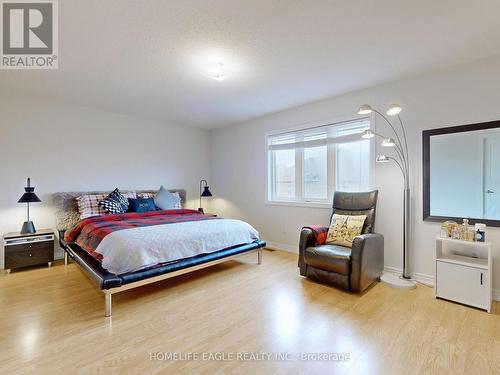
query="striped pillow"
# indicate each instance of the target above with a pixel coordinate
(88, 204)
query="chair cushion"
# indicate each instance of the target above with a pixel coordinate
(331, 258)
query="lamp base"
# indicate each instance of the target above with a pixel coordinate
(394, 281)
(28, 227)
(201, 210)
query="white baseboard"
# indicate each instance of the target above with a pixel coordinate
(420, 277)
(429, 280)
(282, 246)
(495, 294)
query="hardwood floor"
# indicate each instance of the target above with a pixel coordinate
(52, 322)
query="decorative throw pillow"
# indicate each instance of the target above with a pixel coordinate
(111, 206)
(165, 200)
(141, 205)
(120, 198)
(88, 205)
(153, 195)
(344, 228)
(146, 195)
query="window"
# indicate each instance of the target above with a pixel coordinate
(307, 166)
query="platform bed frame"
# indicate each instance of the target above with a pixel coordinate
(96, 272)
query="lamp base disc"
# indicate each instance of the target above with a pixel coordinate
(201, 210)
(28, 227)
(394, 281)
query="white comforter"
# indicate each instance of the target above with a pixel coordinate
(132, 249)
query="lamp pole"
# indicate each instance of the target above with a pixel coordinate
(406, 230)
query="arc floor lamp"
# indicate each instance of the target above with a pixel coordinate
(399, 145)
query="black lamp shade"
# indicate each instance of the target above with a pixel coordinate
(206, 192)
(29, 196)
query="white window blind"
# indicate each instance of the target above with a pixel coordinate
(307, 165)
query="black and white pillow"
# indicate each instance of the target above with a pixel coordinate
(111, 206)
(114, 203)
(117, 196)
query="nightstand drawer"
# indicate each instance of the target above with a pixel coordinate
(29, 254)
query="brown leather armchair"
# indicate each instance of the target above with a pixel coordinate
(355, 268)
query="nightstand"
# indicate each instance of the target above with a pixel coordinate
(24, 250)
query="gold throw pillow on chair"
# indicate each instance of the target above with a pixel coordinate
(344, 228)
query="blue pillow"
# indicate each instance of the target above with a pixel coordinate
(141, 205)
(165, 200)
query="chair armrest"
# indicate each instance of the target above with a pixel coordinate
(310, 236)
(367, 260)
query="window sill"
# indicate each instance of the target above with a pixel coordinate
(326, 205)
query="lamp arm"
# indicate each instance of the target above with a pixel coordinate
(399, 165)
(392, 127)
(402, 159)
(399, 152)
(406, 141)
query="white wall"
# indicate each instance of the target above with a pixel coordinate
(465, 94)
(70, 148)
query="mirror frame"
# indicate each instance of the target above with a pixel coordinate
(426, 138)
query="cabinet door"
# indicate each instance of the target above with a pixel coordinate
(462, 284)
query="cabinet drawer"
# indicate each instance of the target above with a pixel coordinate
(29, 254)
(467, 285)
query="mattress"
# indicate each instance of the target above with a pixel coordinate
(134, 241)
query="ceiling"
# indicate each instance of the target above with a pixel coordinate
(146, 57)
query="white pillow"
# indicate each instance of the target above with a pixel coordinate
(166, 200)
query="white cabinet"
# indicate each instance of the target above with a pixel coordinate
(463, 272)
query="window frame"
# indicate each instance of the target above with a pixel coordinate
(299, 171)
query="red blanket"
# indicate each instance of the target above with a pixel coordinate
(320, 233)
(89, 233)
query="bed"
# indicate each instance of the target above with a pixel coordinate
(125, 251)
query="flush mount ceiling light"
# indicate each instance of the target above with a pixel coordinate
(219, 63)
(394, 109)
(215, 71)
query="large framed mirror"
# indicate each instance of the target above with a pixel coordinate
(461, 173)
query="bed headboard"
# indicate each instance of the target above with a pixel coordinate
(67, 210)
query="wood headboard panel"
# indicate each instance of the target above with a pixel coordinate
(67, 210)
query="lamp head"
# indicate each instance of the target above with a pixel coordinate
(367, 134)
(394, 109)
(29, 195)
(382, 159)
(206, 192)
(388, 142)
(365, 109)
